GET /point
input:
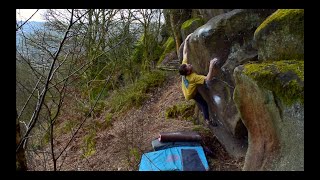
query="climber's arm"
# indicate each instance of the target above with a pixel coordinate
(212, 70)
(185, 50)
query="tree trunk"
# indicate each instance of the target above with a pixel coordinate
(177, 18)
(175, 31)
(21, 162)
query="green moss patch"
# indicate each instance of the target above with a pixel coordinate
(168, 46)
(183, 110)
(285, 78)
(188, 23)
(284, 16)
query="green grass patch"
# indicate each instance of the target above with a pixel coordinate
(135, 94)
(68, 126)
(108, 119)
(134, 153)
(201, 130)
(89, 145)
(46, 137)
(184, 110)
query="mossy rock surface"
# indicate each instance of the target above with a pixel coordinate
(281, 35)
(168, 46)
(187, 24)
(285, 78)
(190, 25)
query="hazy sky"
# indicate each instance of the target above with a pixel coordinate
(24, 14)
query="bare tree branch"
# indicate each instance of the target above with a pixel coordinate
(35, 87)
(41, 100)
(89, 62)
(27, 20)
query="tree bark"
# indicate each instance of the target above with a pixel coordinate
(21, 161)
(177, 18)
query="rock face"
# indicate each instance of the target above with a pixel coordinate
(257, 97)
(259, 112)
(271, 108)
(280, 71)
(207, 14)
(229, 38)
(291, 132)
(281, 36)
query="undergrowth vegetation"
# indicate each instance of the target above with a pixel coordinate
(135, 94)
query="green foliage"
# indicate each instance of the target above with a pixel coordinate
(184, 110)
(99, 106)
(86, 107)
(274, 76)
(25, 82)
(202, 130)
(168, 46)
(96, 90)
(89, 144)
(134, 153)
(135, 94)
(108, 119)
(46, 137)
(68, 126)
(137, 56)
(157, 51)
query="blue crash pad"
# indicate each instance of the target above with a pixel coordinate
(184, 158)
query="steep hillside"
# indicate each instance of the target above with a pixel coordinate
(119, 147)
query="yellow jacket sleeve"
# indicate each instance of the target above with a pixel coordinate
(197, 79)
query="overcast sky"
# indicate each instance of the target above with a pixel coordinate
(24, 14)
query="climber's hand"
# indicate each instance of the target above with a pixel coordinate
(213, 62)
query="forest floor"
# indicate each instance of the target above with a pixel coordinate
(119, 146)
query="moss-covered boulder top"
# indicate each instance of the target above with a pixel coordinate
(285, 78)
(190, 25)
(281, 35)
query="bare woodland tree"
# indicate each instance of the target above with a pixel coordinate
(148, 18)
(56, 69)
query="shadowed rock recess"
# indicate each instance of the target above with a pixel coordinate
(257, 97)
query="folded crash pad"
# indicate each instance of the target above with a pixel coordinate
(179, 136)
(158, 145)
(184, 158)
